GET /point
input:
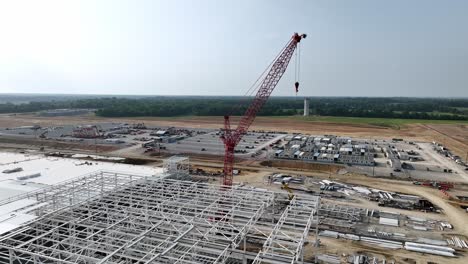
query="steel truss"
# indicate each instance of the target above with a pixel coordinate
(342, 212)
(143, 220)
(112, 217)
(285, 244)
(178, 167)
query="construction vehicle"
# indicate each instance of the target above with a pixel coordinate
(285, 186)
(436, 184)
(232, 137)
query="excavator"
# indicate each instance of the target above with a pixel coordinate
(285, 186)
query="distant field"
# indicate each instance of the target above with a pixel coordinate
(380, 122)
(383, 122)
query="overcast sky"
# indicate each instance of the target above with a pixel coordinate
(354, 48)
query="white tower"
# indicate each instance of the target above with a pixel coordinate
(306, 106)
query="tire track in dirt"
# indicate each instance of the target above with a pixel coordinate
(444, 134)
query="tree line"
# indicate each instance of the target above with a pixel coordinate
(166, 106)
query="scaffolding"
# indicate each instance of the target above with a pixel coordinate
(111, 217)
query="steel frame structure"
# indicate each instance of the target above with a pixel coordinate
(78, 190)
(342, 212)
(112, 217)
(178, 167)
(285, 244)
(143, 220)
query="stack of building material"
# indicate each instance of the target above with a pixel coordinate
(362, 190)
(388, 221)
(420, 228)
(399, 235)
(329, 259)
(382, 242)
(430, 249)
(328, 233)
(458, 242)
(349, 236)
(359, 259)
(416, 219)
(445, 225)
(431, 241)
(363, 259)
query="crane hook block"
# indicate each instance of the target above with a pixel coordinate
(296, 84)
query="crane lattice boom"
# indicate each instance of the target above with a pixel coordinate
(232, 137)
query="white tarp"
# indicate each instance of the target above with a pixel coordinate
(388, 221)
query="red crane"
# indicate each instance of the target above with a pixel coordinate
(232, 137)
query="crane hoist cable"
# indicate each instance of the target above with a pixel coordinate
(255, 86)
(297, 68)
(232, 136)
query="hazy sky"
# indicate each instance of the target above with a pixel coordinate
(354, 48)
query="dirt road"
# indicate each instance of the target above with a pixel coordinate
(445, 162)
(455, 137)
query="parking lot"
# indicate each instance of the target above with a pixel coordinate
(211, 144)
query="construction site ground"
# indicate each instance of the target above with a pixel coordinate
(345, 247)
(454, 136)
(453, 214)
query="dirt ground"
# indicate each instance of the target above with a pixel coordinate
(456, 216)
(341, 246)
(454, 136)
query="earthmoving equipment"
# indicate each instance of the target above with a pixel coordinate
(285, 186)
(231, 137)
